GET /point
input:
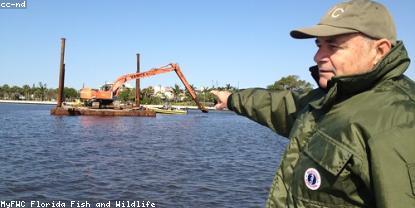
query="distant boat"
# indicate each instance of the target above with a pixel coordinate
(169, 111)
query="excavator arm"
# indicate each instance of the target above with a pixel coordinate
(155, 71)
(114, 91)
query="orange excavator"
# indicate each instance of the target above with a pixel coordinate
(107, 95)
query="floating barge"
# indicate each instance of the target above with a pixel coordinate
(62, 110)
(107, 109)
(84, 111)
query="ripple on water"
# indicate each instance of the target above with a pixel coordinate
(197, 160)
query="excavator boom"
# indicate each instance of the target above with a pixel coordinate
(108, 95)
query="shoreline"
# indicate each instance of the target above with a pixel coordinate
(54, 103)
(29, 102)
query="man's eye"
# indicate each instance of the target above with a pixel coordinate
(334, 46)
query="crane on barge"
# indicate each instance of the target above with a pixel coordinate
(107, 95)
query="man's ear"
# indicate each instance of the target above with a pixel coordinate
(382, 46)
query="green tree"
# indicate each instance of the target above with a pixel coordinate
(33, 92)
(230, 88)
(292, 83)
(124, 95)
(227, 87)
(51, 94)
(70, 94)
(16, 92)
(26, 91)
(177, 91)
(206, 97)
(40, 92)
(146, 94)
(6, 91)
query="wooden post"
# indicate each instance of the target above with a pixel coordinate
(61, 74)
(137, 84)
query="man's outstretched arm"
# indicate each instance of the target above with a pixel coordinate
(274, 109)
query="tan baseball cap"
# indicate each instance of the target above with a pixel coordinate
(365, 16)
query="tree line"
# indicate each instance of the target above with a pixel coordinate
(41, 92)
(180, 95)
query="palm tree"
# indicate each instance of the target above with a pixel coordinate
(6, 91)
(176, 92)
(42, 88)
(26, 91)
(16, 92)
(205, 92)
(146, 94)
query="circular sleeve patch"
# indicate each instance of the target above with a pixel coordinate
(312, 179)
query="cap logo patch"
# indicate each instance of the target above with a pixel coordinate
(312, 179)
(337, 12)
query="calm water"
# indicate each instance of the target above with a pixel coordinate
(217, 159)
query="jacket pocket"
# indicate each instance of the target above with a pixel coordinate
(321, 176)
(327, 152)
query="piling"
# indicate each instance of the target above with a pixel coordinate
(61, 74)
(137, 84)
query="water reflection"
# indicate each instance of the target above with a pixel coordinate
(194, 160)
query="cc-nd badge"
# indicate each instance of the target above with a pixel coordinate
(312, 179)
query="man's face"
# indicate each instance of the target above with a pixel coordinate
(343, 55)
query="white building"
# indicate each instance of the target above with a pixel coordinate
(163, 92)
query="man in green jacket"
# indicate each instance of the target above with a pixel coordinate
(352, 140)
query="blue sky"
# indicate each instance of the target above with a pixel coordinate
(244, 43)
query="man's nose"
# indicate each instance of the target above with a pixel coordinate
(321, 55)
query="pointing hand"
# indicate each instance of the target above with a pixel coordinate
(221, 98)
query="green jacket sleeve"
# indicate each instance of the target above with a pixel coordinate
(392, 159)
(274, 109)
